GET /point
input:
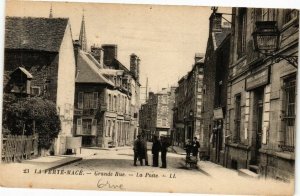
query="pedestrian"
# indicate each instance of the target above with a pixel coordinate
(155, 151)
(164, 149)
(188, 147)
(144, 142)
(195, 147)
(139, 151)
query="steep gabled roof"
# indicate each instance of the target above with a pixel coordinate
(42, 34)
(24, 71)
(89, 72)
(218, 37)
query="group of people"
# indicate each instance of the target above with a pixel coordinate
(140, 151)
(192, 147)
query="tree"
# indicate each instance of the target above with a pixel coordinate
(32, 115)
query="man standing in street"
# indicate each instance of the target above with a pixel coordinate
(144, 143)
(195, 147)
(164, 149)
(139, 151)
(155, 151)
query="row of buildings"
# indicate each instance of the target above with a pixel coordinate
(97, 97)
(240, 100)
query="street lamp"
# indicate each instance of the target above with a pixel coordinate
(267, 41)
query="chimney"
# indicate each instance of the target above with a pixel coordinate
(97, 53)
(134, 65)
(215, 22)
(76, 46)
(109, 53)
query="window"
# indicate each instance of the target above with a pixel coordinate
(242, 29)
(269, 14)
(90, 100)
(35, 90)
(115, 103)
(164, 110)
(86, 126)
(95, 100)
(80, 100)
(289, 14)
(79, 126)
(164, 99)
(290, 114)
(237, 120)
(164, 122)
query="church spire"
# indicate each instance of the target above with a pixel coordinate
(51, 15)
(82, 35)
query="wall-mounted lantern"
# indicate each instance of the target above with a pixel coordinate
(267, 41)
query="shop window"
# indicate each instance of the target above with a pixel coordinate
(290, 114)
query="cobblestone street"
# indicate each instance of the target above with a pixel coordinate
(207, 178)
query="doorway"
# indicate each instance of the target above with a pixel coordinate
(218, 139)
(258, 118)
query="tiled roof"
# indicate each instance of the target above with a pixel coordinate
(89, 72)
(218, 37)
(43, 34)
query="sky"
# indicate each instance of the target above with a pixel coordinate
(165, 38)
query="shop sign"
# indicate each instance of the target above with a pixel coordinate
(218, 113)
(257, 79)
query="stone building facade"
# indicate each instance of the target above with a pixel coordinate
(188, 106)
(215, 83)
(156, 115)
(48, 62)
(261, 106)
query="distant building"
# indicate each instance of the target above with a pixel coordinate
(187, 117)
(39, 61)
(156, 115)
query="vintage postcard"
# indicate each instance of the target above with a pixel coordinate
(149, 98)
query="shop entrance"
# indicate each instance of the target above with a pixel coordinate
(218, 131)
(258, 120)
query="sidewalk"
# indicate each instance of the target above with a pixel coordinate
(42, 163)
(178, 150)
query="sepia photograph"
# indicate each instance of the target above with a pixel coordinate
(149, 98)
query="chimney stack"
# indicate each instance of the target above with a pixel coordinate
(215, 22)
(76, 46)
(110, 52)
(134, 65)
(97, 53)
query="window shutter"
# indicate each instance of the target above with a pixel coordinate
(80, 100)
(79, 126)
(95, 100)
(94, 127)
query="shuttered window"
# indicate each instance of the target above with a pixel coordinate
(94, 127)
(79, 126)
(95, 100)
(80, 100)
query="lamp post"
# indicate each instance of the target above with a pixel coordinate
(267, 41)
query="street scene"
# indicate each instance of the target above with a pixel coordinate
(172, 98)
